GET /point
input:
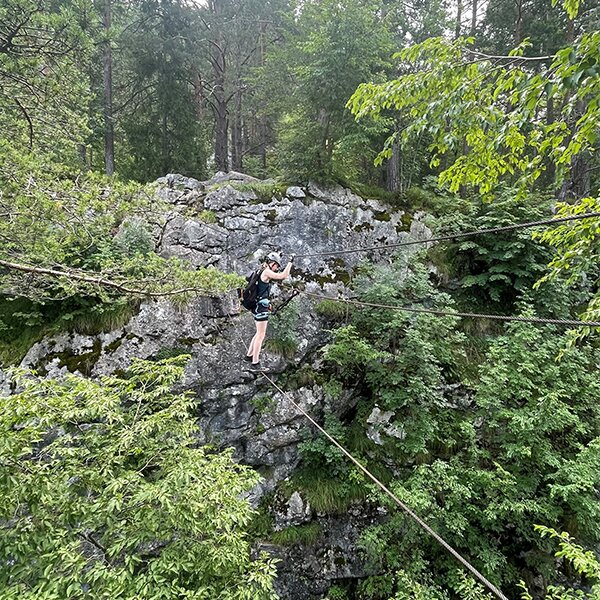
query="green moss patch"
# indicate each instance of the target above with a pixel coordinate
(82, 363)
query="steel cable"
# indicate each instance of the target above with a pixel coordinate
(495, 590)
(454, 236)
(564, 322)
(434, 311)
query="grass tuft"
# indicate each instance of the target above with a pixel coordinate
(326, 495)
(304, 535)
(285, 347)
(96, 322)
(336, 311)
(265, 190)
(207, 216)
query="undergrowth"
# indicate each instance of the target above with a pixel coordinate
(304, 535)
(265, 190)
(285, 347)
(335, 311)
(326, 495)
(24, 323)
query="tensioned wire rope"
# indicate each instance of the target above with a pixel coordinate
(449, 237)
(454, 236)
(494, 589)
(434, 311)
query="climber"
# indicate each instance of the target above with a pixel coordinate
(270, 272)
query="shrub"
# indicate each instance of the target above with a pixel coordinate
(106, 493)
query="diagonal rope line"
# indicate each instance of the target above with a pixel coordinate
(385, 489)
(454, 236)
(433, 311)
(495, 590)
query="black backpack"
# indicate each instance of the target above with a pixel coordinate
(249, 295)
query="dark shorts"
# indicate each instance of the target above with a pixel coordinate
(262, 310)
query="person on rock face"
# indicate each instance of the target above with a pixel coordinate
(270, 272)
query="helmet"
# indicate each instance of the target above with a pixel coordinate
(274, 257)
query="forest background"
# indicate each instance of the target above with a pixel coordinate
(488, 116)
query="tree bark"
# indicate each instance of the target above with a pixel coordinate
(393, 181)
(579, 183)
(262, 128)
(97, 280)
(518, 34)
(459, 9)
(221, 131)
(474, 18)
(83, 157)
(165, 158)
(109, 132)
(237, 135)
(219, 101)
(549, 176)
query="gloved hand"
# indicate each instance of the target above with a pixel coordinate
(292, 257)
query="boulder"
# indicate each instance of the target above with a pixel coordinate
(295, 192)
(221, 176)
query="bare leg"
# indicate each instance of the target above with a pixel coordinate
(257, 340)
(251, 346)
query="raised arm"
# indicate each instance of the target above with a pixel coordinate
(277, 276)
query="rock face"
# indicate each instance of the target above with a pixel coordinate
(246, 223)
(309, 571)
(229, 222)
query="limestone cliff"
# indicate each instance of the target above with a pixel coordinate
(228, 222)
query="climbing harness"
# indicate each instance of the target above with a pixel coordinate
(262, 310)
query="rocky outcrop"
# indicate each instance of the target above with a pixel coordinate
(246, 223)
(308, 571)
(229, 222)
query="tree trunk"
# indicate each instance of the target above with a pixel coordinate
(579, 182)
(262, 129)
(83, 157)
(262, 148)
(237, 135)
(581, 176)
(326, 147)
(570, 37)
(165, 158)
(219, 103)
(393, 181)
(220, 111)
(474, 18)
(109, 132)
(549, 177)
(518, 35)
(221, 134)
(459, 9)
